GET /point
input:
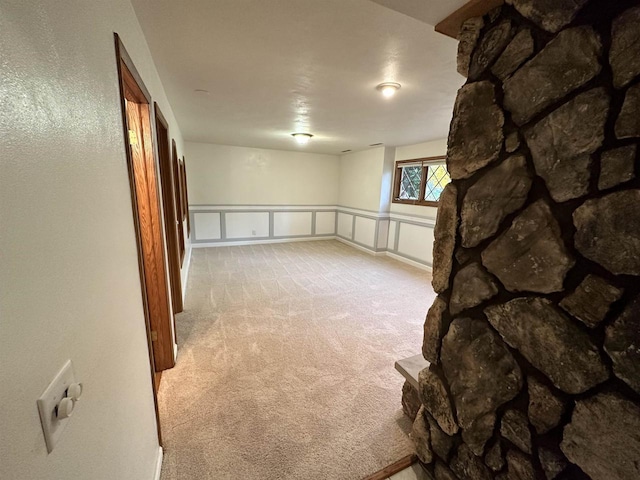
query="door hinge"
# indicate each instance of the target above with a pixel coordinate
(133, 137)
(154, 336)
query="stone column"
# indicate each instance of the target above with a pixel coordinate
(534, 339)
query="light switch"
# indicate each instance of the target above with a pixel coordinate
(57, 403)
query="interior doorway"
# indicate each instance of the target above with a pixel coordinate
(173, 228)
(178, 198)
(147, 217)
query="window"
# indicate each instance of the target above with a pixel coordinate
(420, 181)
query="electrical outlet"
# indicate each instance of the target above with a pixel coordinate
(53, 400)
(253, 233)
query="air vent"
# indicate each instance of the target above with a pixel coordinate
(375, 144)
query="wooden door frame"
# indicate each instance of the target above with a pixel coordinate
(129, 78)
(169, 211)
(186, 195)
(175, 164)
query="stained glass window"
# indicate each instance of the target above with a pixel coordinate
(410, 182)
(437, 179)
(421, 181)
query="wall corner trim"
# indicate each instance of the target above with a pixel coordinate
(158, 470)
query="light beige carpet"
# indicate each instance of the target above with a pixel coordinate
(285, 366)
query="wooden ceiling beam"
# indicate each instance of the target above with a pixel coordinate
(450, 26)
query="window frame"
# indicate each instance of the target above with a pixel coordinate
(397, 178)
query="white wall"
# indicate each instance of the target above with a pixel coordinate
(249, 195)
(228, 175)
(411, 227)
(421, 150)
(386, 182)
(361, 179)
(69, 275)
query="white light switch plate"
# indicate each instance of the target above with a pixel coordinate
(52, 427)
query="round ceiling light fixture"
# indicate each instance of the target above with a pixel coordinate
(302, 138)
(388, 89)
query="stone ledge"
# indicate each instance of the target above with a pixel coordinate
(410, 368)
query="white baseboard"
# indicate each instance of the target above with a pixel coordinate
(408, 261)
(156, 475)
(185, 277)
(360, 247)
(259, 242)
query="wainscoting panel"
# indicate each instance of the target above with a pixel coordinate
(207, 226)
(416, 242)
(345, 225)
(391, 242)
(292, 224)
(382, 238)
(247, 225)
(326, 223)
(365, 231)
(404, 237)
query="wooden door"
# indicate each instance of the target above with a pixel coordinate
(178, 197)
(171, 224)
(147, 218)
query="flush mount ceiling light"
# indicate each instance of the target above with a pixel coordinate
(388, 89)
(302, 138)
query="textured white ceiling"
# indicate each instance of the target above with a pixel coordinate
(274, 67)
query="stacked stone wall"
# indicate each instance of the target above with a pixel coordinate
(534, 339)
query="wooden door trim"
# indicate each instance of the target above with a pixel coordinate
(132, 88)
(186, 195)
(175, 165)
(143, 159)
(450, 26)
(169, 212)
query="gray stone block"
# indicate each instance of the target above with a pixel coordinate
(481, 372)
(602, 438)
(617, 166)
(550, 342)
(567, 62)
(545, 407)
(608, 231)
(624, 55)
(422, 438)
(490, 47)
(472, 285)
(551, 15)
(622, 344)
(485, 207)
(444, 235)
(561, 144)
(479, 433)
(475, 137)
(468, 38)
(628, 122)
(515, 428)
(435, 399)
(590, 302)
(469, 467)
(434, 330)
(516, 53)
(494, 457)
(530, 255)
